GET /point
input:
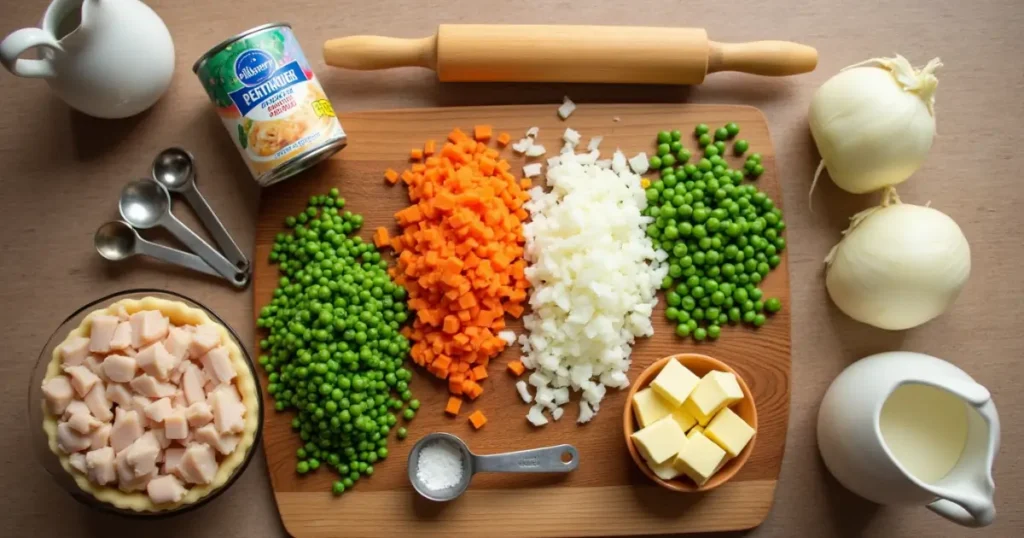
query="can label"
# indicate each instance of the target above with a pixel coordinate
(269, 99)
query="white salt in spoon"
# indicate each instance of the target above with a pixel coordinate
(551, 459)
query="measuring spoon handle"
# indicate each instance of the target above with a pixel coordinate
(239, 278)
(175, 256)
(216, 227)
(537, 460)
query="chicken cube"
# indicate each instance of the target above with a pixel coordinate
(223, 443)
(156, 361)
(126, 430)
(143, 454)
(101, 332)
(159, 410)
(148, 326)
(77, 462)
(76, 406)
(161, 436)
(205, 338)
(192, 384)
(228, 411)
(83, 424)
(69, 440)
(82, 379)
(199, 414)
(119, 394)
(98, 403)
(126, 478)
(165, 489)
(101, 466)
(122, 338)
(95, 365)
(178, 400)
(199, 464)
(172, 459)
(176, 425)
(217, 365)
(74, 350)
(100, 437)
(58, 393)
(150, 387)
(177, 343)
(119, 368)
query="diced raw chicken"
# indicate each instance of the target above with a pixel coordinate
(192, 384)
(217, 365)
(143, 453)
(100, 437)
(95, 365)
(206, 337)
(178, 400)
(139, 404)
(119, 394)
(69, 440)
(58, 394)
(177, 343)
(74, 350)
(77, 461)
(148, 326)
(228, 411)
(126, 478)
(199, 464)
(223, 443)
(127, 429)
(101, 333)
(209, 387)
(83, 423)
(187, 441)
(161, 436)
(119, 368)
(122, 336)
(101, 465)
(98, 403)
(156, 361)
(149, 387)
(82, 379)
(172, 458)
(178, 372)
(76, 406)
(165, 489)
(159, 410)
(199, 414)
(176, 425)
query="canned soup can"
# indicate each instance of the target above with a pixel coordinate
(270, 102)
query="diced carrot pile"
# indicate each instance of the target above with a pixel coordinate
(460, 256)
(477, 419)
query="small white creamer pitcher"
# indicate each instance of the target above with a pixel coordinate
(106, 58)
(906, 428)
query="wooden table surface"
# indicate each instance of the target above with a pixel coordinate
(60, 174)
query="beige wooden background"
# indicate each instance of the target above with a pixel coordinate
(60, 174)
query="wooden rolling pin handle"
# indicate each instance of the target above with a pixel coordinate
(376, 52)
(768, 58)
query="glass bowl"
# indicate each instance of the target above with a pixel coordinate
(40, 441)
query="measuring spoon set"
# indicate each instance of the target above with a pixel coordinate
(146, 203)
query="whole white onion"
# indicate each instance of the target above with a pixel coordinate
(898, 266)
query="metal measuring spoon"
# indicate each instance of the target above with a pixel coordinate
(147, 204)
(551, 459)
(117, 240)
(174, 168)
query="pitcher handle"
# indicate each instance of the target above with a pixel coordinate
(21, 41)
(966, 512)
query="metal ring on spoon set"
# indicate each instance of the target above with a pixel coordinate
(552, 459)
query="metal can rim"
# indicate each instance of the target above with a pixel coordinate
(227, 42)
(315, 156)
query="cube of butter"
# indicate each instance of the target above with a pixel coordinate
(684, 418)
(699, 458)
(674, 383)
(649, 408)
(664, 471)
(660, 441)
(729, 431)
(715, 391)
(696, 429)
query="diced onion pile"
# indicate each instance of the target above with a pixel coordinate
(594, 274)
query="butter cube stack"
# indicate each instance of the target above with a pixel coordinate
(686, 425)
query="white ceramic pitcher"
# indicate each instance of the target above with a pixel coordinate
(855, 450)
(107, 58)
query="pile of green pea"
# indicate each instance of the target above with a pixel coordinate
(722, 236)
(333, 351)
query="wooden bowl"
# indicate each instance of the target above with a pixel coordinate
(699, 365)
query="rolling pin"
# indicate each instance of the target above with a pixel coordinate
(538, 53)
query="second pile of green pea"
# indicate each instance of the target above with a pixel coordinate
(722, 236)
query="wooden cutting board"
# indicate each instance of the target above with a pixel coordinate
(606, 495)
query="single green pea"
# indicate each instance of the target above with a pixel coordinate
(704, 140)
(732, 129)
(720, 146)
(654, 161)
(721, 133)
(773, 305)
(759, 320)
(675, 146)
(714, 331)
(668, 160)
(710, 151)
(664, 137)
(683, 330)
(700, 334)
(683, 156)
(663, 149)
(701, 129)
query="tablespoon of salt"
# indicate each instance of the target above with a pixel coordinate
(441, 465)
